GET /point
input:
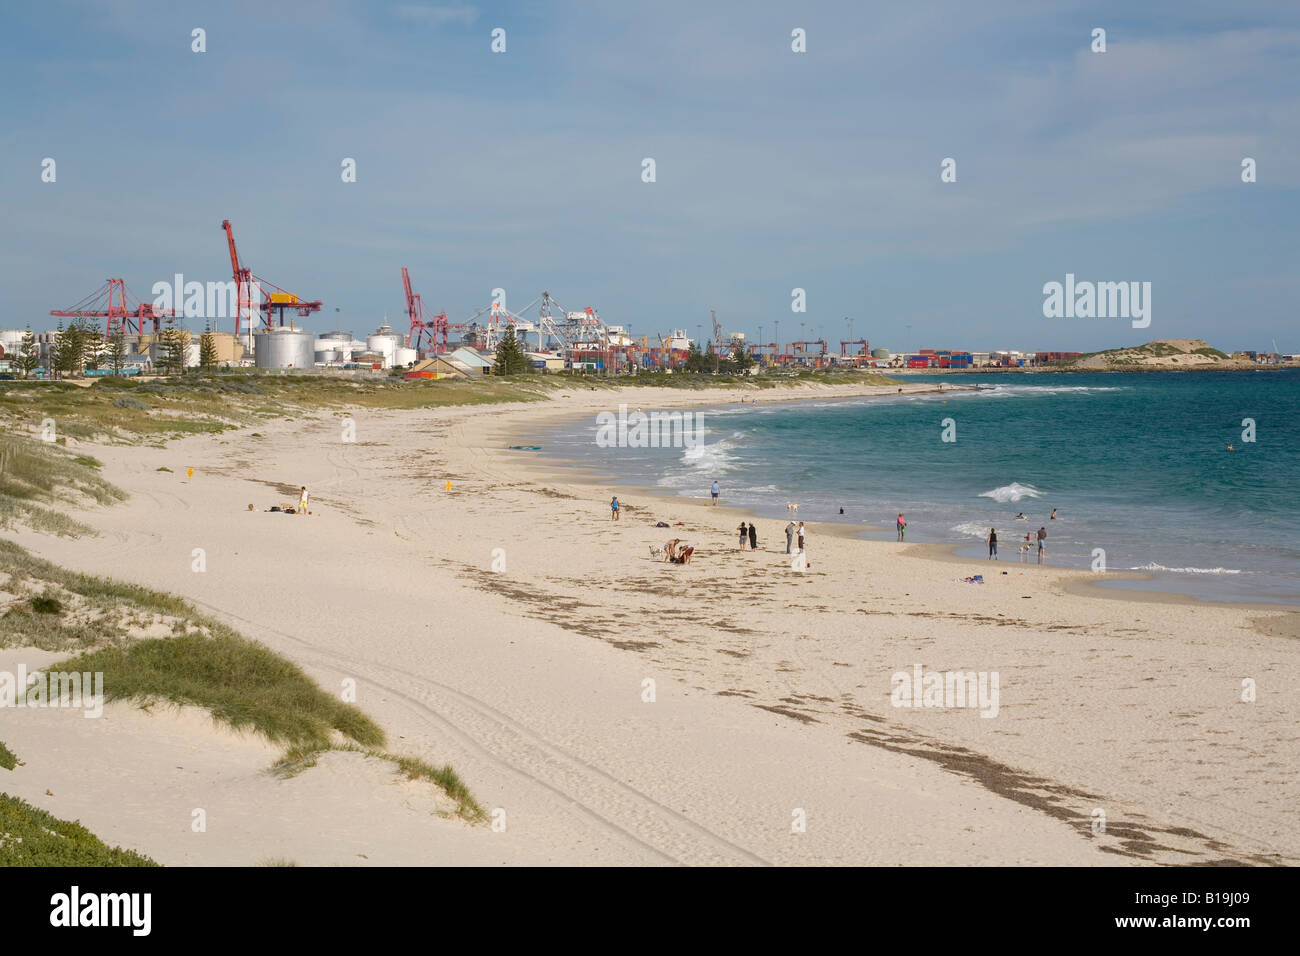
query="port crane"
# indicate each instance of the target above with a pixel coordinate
(432, 331)
(110, 302)
(277, 301)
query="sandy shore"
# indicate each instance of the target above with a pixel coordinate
(772, 687)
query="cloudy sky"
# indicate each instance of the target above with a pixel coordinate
(774, 169)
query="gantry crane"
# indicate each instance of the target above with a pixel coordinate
(110, 302)
(279, 300)
(433, 330)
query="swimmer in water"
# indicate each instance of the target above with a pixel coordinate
(1053, 514)
(1021, 517)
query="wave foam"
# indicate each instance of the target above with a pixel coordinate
(1012, 492)
(1160, 567)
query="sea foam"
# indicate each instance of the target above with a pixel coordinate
(1012, 492)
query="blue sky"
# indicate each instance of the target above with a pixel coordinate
(775, 170)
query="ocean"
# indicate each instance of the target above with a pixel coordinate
(1136, 464)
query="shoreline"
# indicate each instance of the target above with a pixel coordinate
(1084, 582)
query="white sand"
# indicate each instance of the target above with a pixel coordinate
(529, 682)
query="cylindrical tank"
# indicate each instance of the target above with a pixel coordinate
(325, 356)
(880, 353)
(384, 341)
(158, 354)
(284, 348)
(226, 348)
(403, 357)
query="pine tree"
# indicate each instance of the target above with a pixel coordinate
(91, 345)
(29, 355)
(510, 357)
(173, 341)
(207, 349)
(740, 359)
(59, 352)
(696, 360)
(116, 352)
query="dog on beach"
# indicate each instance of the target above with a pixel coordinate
(656, 553)
(792, 507)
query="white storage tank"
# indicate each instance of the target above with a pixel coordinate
(284, 348)
(404, 357)
(384, 341)
(12, 340)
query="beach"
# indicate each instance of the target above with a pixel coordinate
(606, 707)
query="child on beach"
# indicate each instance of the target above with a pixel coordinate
(714, 491)
(302, 500)
(613, 509)
(902, 525)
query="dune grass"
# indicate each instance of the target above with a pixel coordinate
(40, 483)
(31, 837)
(240, 682)
(297, 759)
(202, 663)
(8, 759)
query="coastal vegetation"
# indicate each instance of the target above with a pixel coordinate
(31, 837)
(158, 409)
(154, 648)
(1169, 354)
(40, 481)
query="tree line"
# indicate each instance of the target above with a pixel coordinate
(82, 347)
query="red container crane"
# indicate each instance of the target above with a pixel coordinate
(110, 302)
(423, 331)
(277, 301)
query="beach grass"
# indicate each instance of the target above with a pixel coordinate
(241, 683)
(31, 837)
(40, 483)
(8, 759)
(200, 662)
(299, 758)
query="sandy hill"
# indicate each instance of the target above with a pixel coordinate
(1162, 353)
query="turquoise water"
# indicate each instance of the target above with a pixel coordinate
(1136, 464)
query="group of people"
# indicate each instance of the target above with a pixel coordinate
(748, 533)
(1025, 546)
(677, 551)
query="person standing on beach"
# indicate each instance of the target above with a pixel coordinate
(1042, 544)
(302, 500)
(789, 536)
(613, 509)
(753, 537)
(802, 535)
(744, 535)
(902, 526)
(714, 490)
(993, 544)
